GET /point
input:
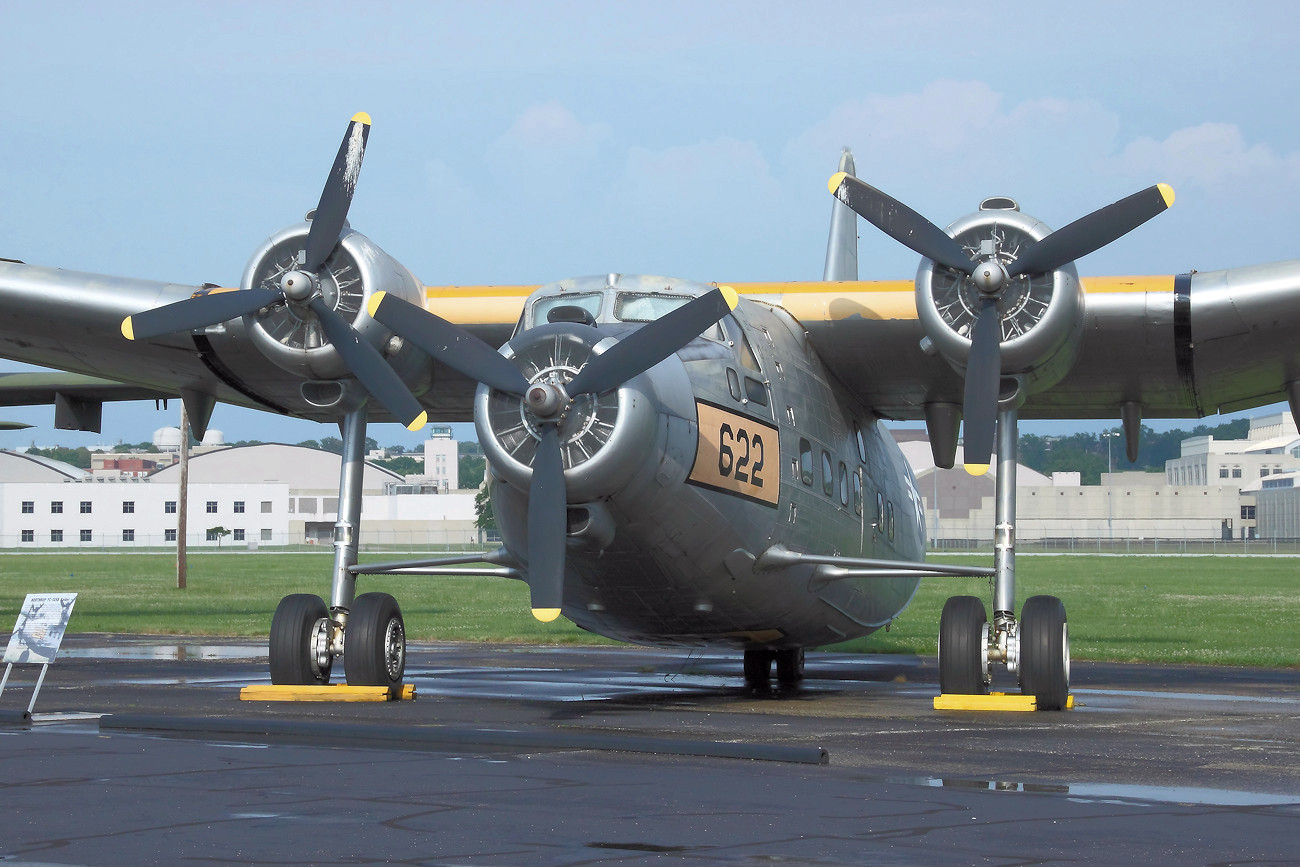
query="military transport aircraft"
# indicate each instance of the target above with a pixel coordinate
(675, 462)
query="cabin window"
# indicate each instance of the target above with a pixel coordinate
(880, 512)
(844, 484)
(589, 302)
(733, 384)
(805, 462)
(861, 441)
(857, 492)
(889, 521)
(755, 391)
(828, 482)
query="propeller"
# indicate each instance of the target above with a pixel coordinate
(547, 402)
(991, 275)
(301, 288)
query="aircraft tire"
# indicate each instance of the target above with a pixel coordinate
(789, 665)
(758, 668)
(1045, 652)
(292, 631)
(374, 642)
(961, 654)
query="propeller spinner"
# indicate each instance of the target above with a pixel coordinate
(300, 288)
(992, 270)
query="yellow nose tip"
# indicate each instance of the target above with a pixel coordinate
(977, 469)
(546, 615)
(127, 331)
(836, 179)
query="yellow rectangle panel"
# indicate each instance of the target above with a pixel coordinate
(332, 692)
(995, 701)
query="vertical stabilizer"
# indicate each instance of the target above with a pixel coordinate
(842, 249)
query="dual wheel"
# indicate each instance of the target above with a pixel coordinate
(1044, 650)
(374, 643)
(758, 666)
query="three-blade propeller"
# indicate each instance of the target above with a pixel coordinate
(991, 276)
(547, 401)
(301, 287)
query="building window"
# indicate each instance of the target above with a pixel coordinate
(85, 507)
(128, 535)
(29, 535)
(85, 536)
(239, 507)
(266, 535)
(1247, 513)
(56, 507)
(169, 535)
(266, 507)
(169, 507)
(212, 536)
(29, 506)
(1263, 471)
(212, 507)
(1223, 472)
(56, 535)
(128, 507)
(239, 535)
(1236, 472)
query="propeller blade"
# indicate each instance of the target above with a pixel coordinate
(197, 312)
(983, 373)
(365, 362)
(547, 517)
(900, 222)
(1093, 232)
(336, 198)
(448, 343)
(653, 342)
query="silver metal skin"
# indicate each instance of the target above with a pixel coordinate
(346, 537)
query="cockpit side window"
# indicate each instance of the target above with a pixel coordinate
(543, 306)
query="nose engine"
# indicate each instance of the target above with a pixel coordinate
(603, 437)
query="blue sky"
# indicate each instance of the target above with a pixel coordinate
(526, 142)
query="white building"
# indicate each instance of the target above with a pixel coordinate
(1271, 447)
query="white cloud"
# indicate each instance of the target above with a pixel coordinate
(1212, 156)
(548, 133)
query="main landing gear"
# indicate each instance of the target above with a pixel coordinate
(366, 630)
(758, 667)
(1037, 647)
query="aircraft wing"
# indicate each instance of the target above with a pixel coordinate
(1176, 346)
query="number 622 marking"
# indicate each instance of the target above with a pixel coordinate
(736, 449)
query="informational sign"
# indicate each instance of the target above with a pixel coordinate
(39, 631)
(737, 455)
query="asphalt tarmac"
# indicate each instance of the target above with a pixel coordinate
(142, 752)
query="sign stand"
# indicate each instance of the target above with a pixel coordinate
(35, 641)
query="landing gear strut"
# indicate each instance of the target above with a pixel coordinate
(368, 630)
(1037, 647)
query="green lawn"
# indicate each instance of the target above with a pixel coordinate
(1212, 610)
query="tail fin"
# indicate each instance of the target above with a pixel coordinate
(842, 249)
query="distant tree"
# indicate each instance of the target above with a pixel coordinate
(217, 533)
(470, 470)
(333, 444)
(485, 518)
(402, 464)
(469, 447)
(310, 444)
(245, 443)
(78, 457)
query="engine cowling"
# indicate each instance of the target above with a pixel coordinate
(293, 340)
(1040, 315)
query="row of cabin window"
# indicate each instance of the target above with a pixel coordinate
(129, 536)
(128, 507)
(884, 511)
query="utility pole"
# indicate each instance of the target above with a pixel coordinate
(182, 502)
(1110, 471)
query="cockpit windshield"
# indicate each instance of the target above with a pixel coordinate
(645, 307)
(588, 301)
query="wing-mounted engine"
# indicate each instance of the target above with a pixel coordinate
(1039, 315)
(998, 294)
(301, 300)
(293, 337)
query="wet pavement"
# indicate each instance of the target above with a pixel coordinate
(534, 755)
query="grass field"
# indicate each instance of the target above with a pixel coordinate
(1210, 610)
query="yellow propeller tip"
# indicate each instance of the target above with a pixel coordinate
(373, 304)
(127, 331)
(1168, 193)
(361, 117)
(419, 422)
(836, 179)
(732, 297)
(546, 615)
(977, 469)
